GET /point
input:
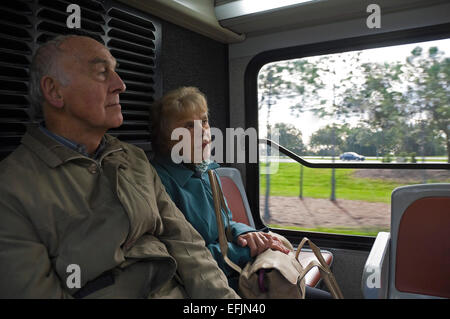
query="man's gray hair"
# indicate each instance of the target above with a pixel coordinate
(46, 61)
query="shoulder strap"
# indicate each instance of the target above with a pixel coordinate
(224, 206)
(324, 269)
(219, 203)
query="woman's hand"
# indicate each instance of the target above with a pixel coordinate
(259, 242)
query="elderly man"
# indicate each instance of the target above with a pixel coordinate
(83, 214)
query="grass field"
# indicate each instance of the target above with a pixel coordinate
(317, 184)
(345, 231)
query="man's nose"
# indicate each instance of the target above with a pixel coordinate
(117, 85)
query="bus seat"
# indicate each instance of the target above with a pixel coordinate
(418, 251)
(234, 192)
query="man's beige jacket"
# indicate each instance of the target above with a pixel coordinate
(64, 215)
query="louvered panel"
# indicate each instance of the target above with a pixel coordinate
(59, 19)
(137, 96)
(132, 57)
(92, 11)
(141, 70)
(134, 105)
(131, 36)
(131, 41)
(52, 19)
(16, 37)
(134, 115)
(16, 13)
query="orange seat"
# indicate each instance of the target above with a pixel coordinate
(235, 201)
(413, 260)
(233, 190)
(422, 261)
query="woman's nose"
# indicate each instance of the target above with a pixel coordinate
(206, 133)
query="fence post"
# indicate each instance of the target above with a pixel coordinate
(301, 181)
(333, 185)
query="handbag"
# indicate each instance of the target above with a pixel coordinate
(273, 274)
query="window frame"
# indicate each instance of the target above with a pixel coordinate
(421, 34)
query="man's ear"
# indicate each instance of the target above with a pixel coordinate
(51, 91)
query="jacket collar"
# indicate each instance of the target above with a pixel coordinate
(53, 152)
(80, 148)
(180, 172)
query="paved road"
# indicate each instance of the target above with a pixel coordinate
(315, 159)
(318, 212)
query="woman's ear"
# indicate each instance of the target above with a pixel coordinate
(51, 91)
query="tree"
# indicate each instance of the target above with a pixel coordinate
(293, 81)
(421, 138)
(394, 96)
(272, 84)
(429, 91)
(307, 84)
(380, 102)
(277, 81)
(327, 139)
(329, 76)
(290, 137)
(360, 139)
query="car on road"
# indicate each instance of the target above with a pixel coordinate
(351, 156)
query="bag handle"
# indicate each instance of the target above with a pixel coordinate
(325, 271)
(219, 203)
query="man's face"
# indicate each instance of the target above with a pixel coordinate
(92, 97)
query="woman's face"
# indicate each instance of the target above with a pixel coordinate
(200, 135)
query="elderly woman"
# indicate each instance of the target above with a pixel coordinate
(187, 182)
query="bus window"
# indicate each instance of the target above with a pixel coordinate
(381, 105)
